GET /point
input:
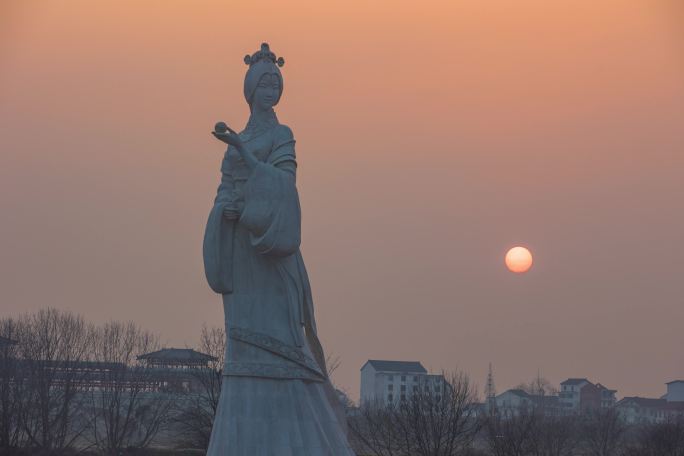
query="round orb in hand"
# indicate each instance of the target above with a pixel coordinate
(220, 127)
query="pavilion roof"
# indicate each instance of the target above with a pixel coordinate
(177, 355)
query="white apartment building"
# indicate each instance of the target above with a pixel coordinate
(384, 382)
(675, 391)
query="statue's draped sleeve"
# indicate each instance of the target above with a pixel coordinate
(271, 212)
(218, 239)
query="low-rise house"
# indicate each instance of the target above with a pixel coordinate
(513, 402)
(643, 410)
(639, 410)
(579, 395)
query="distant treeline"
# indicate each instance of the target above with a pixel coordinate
(71, 387)
(452, 423)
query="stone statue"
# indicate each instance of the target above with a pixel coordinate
(276, 398)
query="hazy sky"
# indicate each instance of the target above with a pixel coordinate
(431, 137)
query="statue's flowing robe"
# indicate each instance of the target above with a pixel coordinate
(276, 398)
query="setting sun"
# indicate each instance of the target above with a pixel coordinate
(518, 259)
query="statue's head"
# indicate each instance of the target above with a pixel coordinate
(263, 81)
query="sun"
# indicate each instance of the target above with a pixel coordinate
(518, 259)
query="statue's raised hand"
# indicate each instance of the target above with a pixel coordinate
(224, 133)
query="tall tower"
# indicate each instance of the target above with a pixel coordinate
(490, 390)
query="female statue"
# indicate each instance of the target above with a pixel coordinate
(276, 398)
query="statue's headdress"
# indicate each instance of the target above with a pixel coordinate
(261, 62)
(264, 54)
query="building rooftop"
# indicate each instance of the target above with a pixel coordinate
(396, 366)
(674, 381)
(177, 356)
(599, 386)
(575, 381)
(518, 392)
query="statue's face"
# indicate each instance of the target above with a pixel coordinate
(267, 92)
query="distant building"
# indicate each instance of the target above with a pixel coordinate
(516, 401)
(635, 410)
(675, 391)
(166, 370)
(513, 401)
(386, 382)
(176, 358)
(177, 369)
(643, 410)
(579, 395)
(570, 393)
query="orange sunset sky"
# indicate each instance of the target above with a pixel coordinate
(431, 137)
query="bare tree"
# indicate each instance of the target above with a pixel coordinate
(127, 409)
(538, 386)
(529, 432)
(441, 416)
(554, 435)
(196, 417)
(511, 433)
(437, 417)
(332, 363)
(53, 344)
(602, 432)
(11, 435)
(661, 439)
(374, 430)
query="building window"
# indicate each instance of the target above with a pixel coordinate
(390, 378)
(415, 389)
(390, 398)
(403, 388)
(403, 397)
(390, 387)
(403, 378)
(415, 378)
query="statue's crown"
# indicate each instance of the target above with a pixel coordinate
(264, 54)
